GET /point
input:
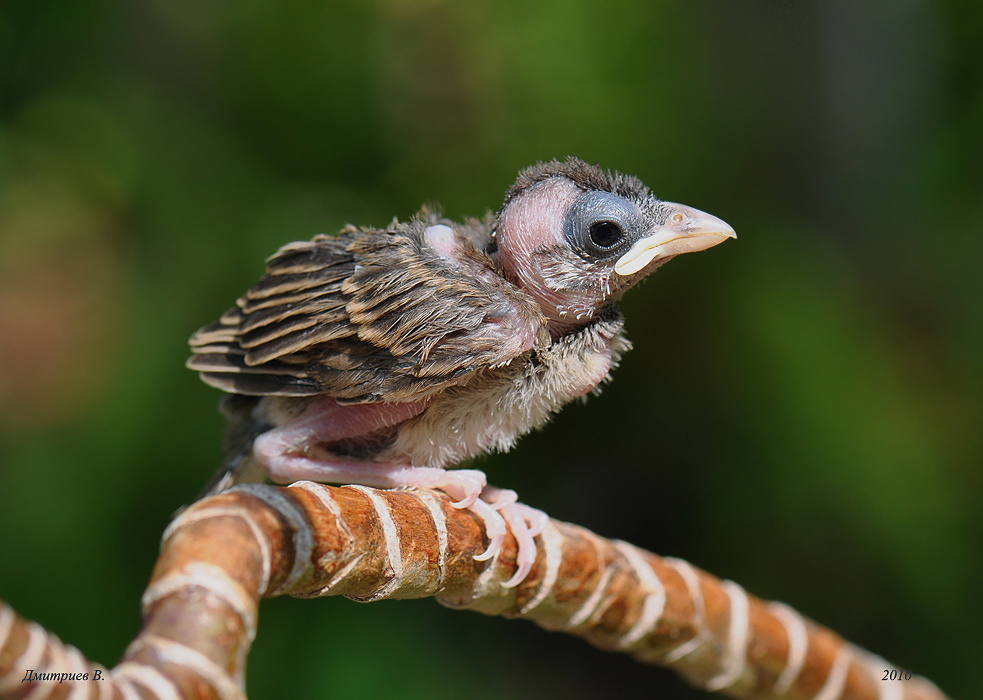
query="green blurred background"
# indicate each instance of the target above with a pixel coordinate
(803, 410)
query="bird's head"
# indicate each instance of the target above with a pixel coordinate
(576, 237)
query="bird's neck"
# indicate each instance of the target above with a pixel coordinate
(558, 329)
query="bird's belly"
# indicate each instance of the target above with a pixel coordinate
(487, 414)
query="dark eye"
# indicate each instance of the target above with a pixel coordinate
(605, 234)
(601, 225)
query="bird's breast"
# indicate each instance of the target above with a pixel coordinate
(497, 406)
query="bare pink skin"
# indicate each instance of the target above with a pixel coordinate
(446, 245)
(301, 450)
(529, 225)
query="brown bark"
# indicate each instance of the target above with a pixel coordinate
(220, 556)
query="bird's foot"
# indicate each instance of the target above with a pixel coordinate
(464, 485)
(526, 524)
(497, 508)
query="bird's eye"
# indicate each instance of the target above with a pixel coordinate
(601, 225)
(605, 234)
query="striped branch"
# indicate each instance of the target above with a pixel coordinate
(220, 556)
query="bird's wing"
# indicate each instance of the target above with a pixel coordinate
(370, 315)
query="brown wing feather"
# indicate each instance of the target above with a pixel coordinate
(370, 315)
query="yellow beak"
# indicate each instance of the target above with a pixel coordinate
(688, 230)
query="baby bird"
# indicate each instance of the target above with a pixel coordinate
(383, 357)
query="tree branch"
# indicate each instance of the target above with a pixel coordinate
(223, 554)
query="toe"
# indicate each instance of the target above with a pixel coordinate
(470, 483)
(525, 540)
(494, 529)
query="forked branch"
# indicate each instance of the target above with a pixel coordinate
(220, 556)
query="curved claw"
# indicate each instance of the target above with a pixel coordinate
(467, 502)
(494, 547)
(469, 482)
(516, 515)
(494, 528)
(519, 576)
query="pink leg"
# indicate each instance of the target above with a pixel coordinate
(287, 453)
(465, 485)
(326, 421)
